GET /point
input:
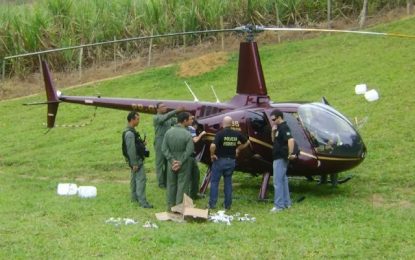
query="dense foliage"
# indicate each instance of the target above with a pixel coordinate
(48, 24)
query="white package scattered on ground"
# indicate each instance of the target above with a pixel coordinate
(149, 224)
(360, 89)
(87, 191)
(372, 95)
(121, 221)
(221, 217)
(67, 189)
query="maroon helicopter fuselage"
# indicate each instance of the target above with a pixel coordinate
(250, 110)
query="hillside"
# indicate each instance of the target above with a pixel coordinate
(371, 216)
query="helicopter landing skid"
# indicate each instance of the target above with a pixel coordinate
(344, 180)
(205, 182)
(262, 191)
(334, 180)
(264, 186)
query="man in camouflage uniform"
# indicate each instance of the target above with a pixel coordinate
(162, 122)
(178, 148)
(133, 150)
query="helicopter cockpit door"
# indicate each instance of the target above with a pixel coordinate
(259, 131)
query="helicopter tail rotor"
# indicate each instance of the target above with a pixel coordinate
(51, 94)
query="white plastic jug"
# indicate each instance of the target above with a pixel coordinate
(372, 95)
(87, 191)
(360, 89)
(66, 189)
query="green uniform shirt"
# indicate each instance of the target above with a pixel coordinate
(162, 123)
(177, 144)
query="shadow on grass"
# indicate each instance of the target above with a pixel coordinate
(246, 187)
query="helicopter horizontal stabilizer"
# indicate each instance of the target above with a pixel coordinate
(40, 103)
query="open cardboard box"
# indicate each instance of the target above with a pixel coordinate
(182, 211)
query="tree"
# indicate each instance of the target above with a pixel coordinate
(329, 14)
(363, 14)
(409, 6)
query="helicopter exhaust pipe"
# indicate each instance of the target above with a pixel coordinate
(51, 94)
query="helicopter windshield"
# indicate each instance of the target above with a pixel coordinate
(330, 132)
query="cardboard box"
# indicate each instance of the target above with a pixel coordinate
(186, 209)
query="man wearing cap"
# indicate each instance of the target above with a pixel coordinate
(223, 155)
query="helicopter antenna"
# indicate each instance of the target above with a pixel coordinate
(214, 93)
(193, 94)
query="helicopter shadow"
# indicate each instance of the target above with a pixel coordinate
(246, 188)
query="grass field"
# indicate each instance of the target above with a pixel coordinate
(371, 216)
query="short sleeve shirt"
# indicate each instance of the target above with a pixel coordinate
(226, 142)
(280, 147)
(192, 131)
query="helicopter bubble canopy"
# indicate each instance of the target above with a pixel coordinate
(330, 132)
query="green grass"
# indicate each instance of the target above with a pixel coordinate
(371, 216)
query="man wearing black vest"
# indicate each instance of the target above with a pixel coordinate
(134, 152)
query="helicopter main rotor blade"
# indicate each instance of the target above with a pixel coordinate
(237, 29)
(285, 29)
(249, 29)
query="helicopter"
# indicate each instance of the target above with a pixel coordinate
(328, 143)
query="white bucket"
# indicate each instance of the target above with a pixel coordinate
(360, 89)
(372, 95)
(87, 191)
(67, 189)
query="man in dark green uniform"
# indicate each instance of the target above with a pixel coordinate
(162, 122)
(178, 148)
(134, 151)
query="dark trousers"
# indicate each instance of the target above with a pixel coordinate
(194, 179)
(221, 167)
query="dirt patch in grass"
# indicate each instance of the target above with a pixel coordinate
(378, 201)
(200, 65)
